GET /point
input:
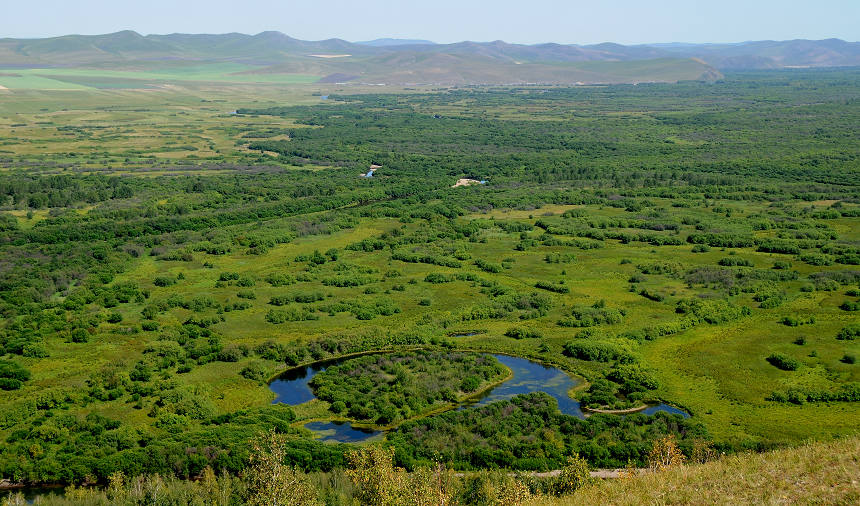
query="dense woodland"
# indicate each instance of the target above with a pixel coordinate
(644, 238)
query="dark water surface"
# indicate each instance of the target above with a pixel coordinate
(31, 494)
(342, 432)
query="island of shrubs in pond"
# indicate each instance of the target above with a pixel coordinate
(388, 388)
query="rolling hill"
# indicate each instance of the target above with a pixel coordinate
(406, 62)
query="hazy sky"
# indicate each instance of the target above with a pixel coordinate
(523, 21)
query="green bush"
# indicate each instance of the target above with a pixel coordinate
(598, 351)
(163, 281)
(849, 332)
(552, 287)
(783, 362)
(255, 371)
(522, 333)
(12, 375)
(735, 262)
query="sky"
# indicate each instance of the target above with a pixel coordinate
(445, 21)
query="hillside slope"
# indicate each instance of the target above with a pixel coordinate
(394, 61)
(819, 473)
(269, 48)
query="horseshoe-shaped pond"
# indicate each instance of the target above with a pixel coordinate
(292, 388)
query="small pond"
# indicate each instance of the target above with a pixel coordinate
(529, 376)
(342, 432)
(31, 494)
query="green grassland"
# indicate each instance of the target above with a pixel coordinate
(156, 131)
(162, 258)
(144, 78)
(717, 372)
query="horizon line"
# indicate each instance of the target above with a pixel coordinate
(749, 41)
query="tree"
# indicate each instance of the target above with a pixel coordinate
(665, 454)
(573, 476)
(377, 481)
(270, 481)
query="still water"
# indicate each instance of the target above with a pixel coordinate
(292, 388)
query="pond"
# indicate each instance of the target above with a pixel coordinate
(529, 376)
(31, 494)
(342, 432)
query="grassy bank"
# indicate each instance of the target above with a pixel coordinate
(817, 473)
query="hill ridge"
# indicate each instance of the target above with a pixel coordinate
(414, 62)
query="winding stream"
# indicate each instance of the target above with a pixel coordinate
(292, 388)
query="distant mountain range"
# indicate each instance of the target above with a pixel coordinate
(400, 61)
(395, 42)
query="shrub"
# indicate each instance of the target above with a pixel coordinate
(655, 296)
(783, 362)
(470, 383)
(280, 279)
(171, 422)
(228, 276)
(163, 281)
(33, 350)
(632, 378)
(231, 353)
(437, 278)
(735, 262)
(255, 371)
(826, 285)
(552, 287)
(574, 475)
(597, 351)
(599, 394)
(776, 246)
(796, 321)
(348, 280)
(671, 269)
(80, 336)
(12, 375)
(245, 282)
(850, 306)
(490, 267)
(585, 316)
(816, 259)
(849, 333)
(849, 359)
(522, 333)
(277, 316)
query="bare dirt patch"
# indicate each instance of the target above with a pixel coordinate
(465, 182)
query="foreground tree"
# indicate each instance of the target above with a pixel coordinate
(270, 481)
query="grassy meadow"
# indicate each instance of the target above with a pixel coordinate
(173, 238)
